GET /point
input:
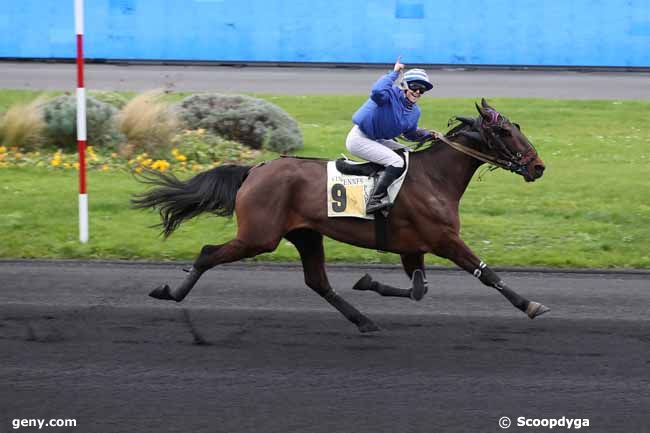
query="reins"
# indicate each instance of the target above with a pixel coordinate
(514, 166)
(506, 165)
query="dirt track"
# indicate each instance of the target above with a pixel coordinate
(253, 350)
(318, 81)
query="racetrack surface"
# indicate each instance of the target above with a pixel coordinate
(253, 350)
(450, 83)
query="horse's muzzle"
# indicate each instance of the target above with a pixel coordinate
(534, 170)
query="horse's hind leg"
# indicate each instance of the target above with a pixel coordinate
(459, 253)
(413, 266)
(310, 246)
(210, 256)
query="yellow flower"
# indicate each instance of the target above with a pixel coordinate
(76, 165)
(175, 151)
(66, 165)
(138, 170)
(55, 162)
(161, 165)
(181, 157)
(147, 162)
(3, 149)
(105, 167)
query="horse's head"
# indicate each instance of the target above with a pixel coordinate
(504, 141)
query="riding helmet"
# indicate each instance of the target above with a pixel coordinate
(418, 75)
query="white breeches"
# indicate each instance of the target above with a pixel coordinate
(379, 151)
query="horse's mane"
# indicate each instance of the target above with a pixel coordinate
(461, 123)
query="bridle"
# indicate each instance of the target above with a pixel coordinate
(514, 162)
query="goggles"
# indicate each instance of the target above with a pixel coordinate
(417, 87)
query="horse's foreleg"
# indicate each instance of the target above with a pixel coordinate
(310, 246)
(414, 268)
(459, 253)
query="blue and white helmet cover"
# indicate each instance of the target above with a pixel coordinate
(418, 75)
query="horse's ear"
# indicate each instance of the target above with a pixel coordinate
(481, 111)
(484, 103)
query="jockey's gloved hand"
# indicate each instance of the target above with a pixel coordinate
(435, 135)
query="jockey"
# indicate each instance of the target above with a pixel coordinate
(390, 111)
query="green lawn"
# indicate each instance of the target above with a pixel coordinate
(591, 208)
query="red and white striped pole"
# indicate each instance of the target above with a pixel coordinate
(81, 122)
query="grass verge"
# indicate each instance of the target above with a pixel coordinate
(591, 209)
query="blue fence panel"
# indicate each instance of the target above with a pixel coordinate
(479, 32)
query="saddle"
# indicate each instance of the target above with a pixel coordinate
(369, 169)
(352, 168)
(350, 183)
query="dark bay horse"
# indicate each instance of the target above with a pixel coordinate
(286, 198)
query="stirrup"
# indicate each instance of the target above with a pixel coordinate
(376, 205)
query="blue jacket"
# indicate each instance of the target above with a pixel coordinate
(388, 114)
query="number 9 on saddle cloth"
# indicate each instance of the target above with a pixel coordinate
(350, 184)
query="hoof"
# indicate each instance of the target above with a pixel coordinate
(162, 292)
(536, 309)
(364, 283)
(419, 287)
(368, 326)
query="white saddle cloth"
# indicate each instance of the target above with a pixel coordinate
(347, 195)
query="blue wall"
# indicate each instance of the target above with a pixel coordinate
(496, 32)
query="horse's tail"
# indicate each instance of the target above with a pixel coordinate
(177, 200)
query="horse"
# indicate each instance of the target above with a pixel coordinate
(286, 198)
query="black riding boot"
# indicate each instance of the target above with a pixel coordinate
(381, 189)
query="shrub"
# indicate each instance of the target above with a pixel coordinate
(22, 125)
(148, 125)
(60, 115)
(115, 99)
(206, 148)
(251, 121)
